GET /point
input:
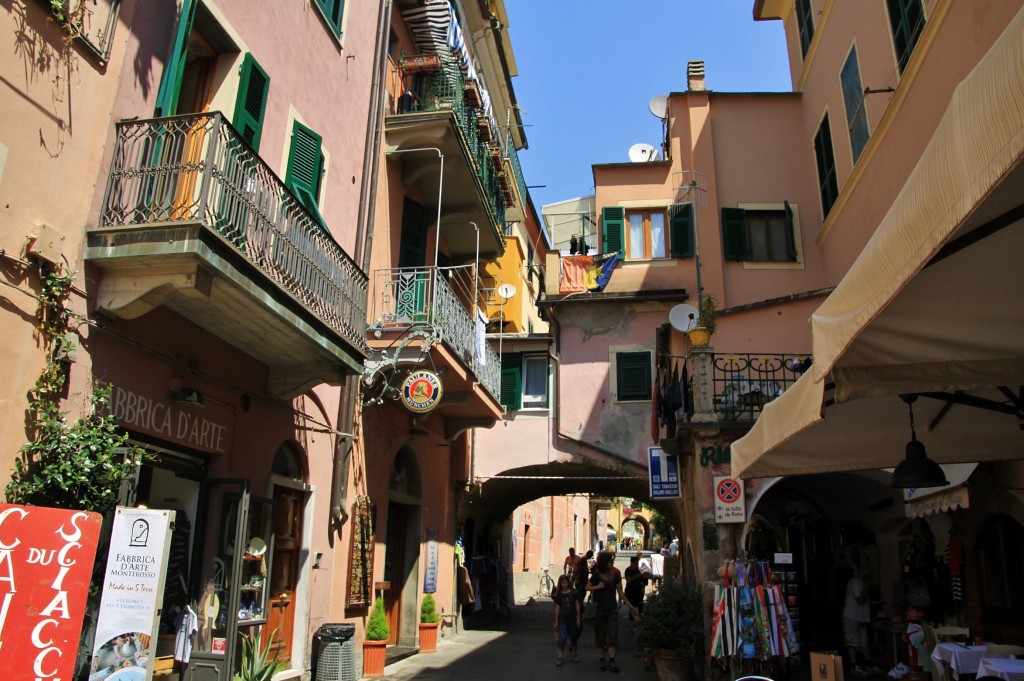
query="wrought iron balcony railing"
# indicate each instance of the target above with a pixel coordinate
(743, 383)
(196, 169)
(445, 88)
(428, 295)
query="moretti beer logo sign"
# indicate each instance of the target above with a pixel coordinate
(421, 391)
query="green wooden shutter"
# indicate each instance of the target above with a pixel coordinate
(613, 220)
(305, 168)
(681, 229)
(253, 88)
(170, 81)
(735, 243)
(512, 380)
(333, 10)
(633, 375)
(790, 232)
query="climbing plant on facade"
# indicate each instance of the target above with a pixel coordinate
(81, 463)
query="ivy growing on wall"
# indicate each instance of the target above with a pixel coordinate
(81, 464)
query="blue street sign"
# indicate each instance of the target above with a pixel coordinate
(663, 470)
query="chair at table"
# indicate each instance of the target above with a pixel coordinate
(951, 632)
(1004, 650)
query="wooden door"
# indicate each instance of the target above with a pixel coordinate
(194, 96)
(394, 561)
(284, 570)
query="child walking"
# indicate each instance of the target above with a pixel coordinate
(567, 619)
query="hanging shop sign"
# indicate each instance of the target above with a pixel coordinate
(730, 506)
(422, 391)
(133, 590)
(663, 471)
(46, 559)
(430, 574)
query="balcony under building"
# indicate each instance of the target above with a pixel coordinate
(424, 318)
(195, 221)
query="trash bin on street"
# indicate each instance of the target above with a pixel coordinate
(334, 657)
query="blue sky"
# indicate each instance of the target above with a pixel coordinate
(587, 71)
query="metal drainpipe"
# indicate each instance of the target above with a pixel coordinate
(371, 159)
(364, 238)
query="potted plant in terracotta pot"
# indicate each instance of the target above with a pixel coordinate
(700, 334)
(672, 630)
(375, 644)
(429, 619)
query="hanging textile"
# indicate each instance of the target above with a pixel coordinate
(954, 555)
(655, 411)
(725, 623)
(747, 625)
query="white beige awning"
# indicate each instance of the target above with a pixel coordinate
(933, 304)
(950, 500)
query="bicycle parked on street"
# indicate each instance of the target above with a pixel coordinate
(546, 584)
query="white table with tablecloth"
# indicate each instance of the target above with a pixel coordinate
(958, 658)
(1002, 668)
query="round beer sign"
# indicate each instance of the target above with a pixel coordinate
(421, 391)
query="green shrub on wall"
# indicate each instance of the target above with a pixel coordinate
(81, 464)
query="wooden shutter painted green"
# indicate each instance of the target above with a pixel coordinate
(170, 81)
(735, 242)
(681, 229)
(305, 168)
(790, 231)
(251, 104)
(633, 375)
(613, 220)
(333, 10)
(512, 380)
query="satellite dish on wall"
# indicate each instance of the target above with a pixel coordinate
(642, 153)
(659, 106)
(506, 291)
(683, 317)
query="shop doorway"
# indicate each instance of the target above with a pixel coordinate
(289, 502)
(401, 552)
(281, 602)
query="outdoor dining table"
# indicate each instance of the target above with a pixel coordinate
(1003, 668)
(958, 657)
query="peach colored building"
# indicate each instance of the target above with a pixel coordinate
(766, 201)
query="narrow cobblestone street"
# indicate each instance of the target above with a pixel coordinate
(516, 649)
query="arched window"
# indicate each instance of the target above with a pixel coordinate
(405, 475)
(288, 463)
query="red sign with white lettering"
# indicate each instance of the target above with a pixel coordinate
(46, 559)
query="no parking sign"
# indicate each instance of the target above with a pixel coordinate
(729, 504)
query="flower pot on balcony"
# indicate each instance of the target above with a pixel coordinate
(473, 97)
(494, 156)
(421, 62)
(699, 337)
(486, 134)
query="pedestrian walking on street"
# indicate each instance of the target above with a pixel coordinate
(581, 575)
(636, 584)
(568, 618)
(569, 564)
(605, 587)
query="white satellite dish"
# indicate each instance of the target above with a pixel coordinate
(642, 153)
(506, 291)
(683, 317)
(659, 106)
